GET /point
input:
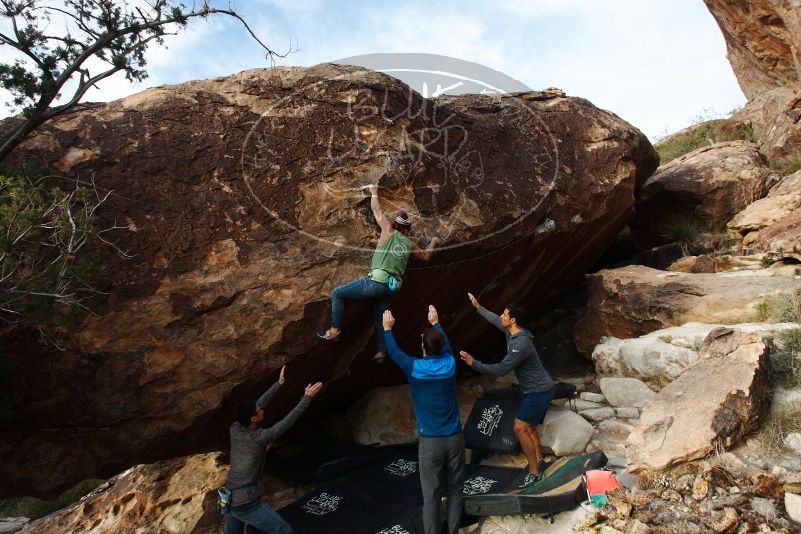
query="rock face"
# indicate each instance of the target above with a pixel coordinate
(764, 49)
(632, 301)
(773, 224)
(625, 392)
(721, 398)
(241, 201)
(763, 38)
(660, 357)
(705, 188)
(564, 432)
(171, 496)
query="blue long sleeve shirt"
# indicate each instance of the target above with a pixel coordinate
(432, 381)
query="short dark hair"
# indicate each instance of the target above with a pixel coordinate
(517, 313)
(245, 411)
(433, 341)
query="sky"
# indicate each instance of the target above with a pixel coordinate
(659, 64)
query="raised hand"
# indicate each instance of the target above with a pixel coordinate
(281, 378)
(313, 389)
(473, 300)
(388, 320)
(466, 358)
(433, 316)
(372, 189)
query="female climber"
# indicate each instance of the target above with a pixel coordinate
(386, 269)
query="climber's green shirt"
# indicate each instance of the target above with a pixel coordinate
(390, 258)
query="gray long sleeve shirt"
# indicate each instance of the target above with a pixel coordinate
(248, 447)
(521, 356)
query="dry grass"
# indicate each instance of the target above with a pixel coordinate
(781, 421)
(781, 308)
(33, 508)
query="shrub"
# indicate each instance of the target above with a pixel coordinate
(786, 361)
(36, 508)
(792, 165)
(692, 138)
(683, 231)
(781, 421)
(782, 307)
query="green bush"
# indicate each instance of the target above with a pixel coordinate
(36, 508)
(786, 361)
(682, 143)
(792, 165)
(782, 307)
(683, 231)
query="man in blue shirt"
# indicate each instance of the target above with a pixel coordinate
(432, 381)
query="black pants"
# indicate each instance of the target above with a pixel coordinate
(441, 470)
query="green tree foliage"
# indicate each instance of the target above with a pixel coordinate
(45, 274)
(58, 46)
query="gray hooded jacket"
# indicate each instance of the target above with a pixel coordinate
(248, 447)
(521, 356)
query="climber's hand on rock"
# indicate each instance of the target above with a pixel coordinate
(281, 378)
(313, 389)
(388, 320)
(433, 316)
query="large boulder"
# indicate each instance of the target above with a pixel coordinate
(763, 39)
(773, 224)
(564, 432)
(176, 496)
(718, 400)
(704, 188)
(631, 301)
(660, 357)
(242, 205)
(764, 49)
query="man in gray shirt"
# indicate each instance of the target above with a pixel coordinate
(249, 444)
(538, 387)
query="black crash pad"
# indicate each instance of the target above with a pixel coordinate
(361, 501)
(490, 425)
(560, 490)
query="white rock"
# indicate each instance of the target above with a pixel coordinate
(581, 404)
(660, 356)
(564, 432)
(592, 397)
(8, 525)
(598, 414)
(792, 503)
(787, 397)
(764, 507)
(628, 392)
(793, 441)
(627, 413)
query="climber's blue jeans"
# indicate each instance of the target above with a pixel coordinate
(257, 515)
(364, 288)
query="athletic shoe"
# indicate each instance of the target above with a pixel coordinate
(530, 480)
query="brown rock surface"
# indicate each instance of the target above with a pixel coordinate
(170, 496)
(773, 224)
(763, 38)
(720, 398)
(240, 200)
(631, 301)
(705, 187)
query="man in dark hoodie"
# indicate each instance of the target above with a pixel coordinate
(432, 381)
(249, 444)
(538, 386)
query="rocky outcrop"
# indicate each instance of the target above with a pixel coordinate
(241, 204)
(773, 224)
(660, 357)
(763, 38)
(721, 398)
(171, 496)
(631, 301)
(764, 49)
(704, 189)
